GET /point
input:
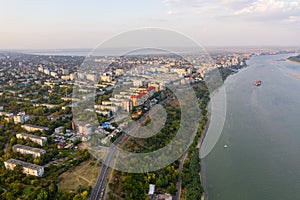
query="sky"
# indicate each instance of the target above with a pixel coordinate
(58, 24)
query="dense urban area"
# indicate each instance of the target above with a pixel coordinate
(45, 153)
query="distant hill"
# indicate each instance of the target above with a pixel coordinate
(294, 58)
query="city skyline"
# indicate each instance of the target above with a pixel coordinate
(78, 24)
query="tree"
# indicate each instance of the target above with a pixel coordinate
(134, 186)
(18, 170)
(53, 188)
(8, 195)
(172, 189)
(43, 195)
(16, 187)
(78, 197)
(64, 130)
(36, 161)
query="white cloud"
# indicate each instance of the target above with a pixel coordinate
(206, 3)
(269, 6)
(175, 3)
(293, 19)
(172, 12)
(259, 10)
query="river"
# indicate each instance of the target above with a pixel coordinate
(262, 131)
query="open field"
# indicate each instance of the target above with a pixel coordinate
(85, 175)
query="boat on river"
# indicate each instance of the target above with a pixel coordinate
(257, 83)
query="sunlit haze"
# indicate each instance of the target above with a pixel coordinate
(84, 24)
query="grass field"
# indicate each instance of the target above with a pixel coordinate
(27, 190)
(85, 175)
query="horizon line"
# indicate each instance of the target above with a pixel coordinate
(205, 46)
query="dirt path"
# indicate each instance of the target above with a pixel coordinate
(178, 184)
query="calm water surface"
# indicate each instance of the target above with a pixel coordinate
(262, 130)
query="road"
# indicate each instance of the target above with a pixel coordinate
(100, 185)
(178, 184)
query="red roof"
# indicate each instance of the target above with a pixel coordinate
(139, 95)
(151, 88)
(137, 114)
(143, 92)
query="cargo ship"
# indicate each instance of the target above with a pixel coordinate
(257, 83)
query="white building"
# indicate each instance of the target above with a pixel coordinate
(28, 168)
(138, 83)
(140, 98)
(30, 127)
(106, 78)
(53, 74)
(36, 139)
(85, 129)
(21, 118)
(35, 152)
(47, 71)
(66, 77)
(151, 189)
(73, 76)
(119, 71)
(40, 69)
(127, 105)
(65, 71)
(58, 129)
(91, 77)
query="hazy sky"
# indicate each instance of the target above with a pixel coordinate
(27, 24)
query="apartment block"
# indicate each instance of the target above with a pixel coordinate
(35, 152)
(30, 127)
(28, 168)
(36, 139)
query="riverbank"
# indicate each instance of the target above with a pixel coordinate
(225, 73)
(200, 141)
(295, 59)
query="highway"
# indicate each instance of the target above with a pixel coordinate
(100, 185)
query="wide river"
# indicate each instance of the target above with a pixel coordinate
(262, 131)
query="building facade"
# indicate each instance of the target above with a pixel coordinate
(36, 139)
(30, 127)
(28, 168)
(35, 152)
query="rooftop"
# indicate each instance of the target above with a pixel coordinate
(35, 126)
(24, 164)
(32, 136)
(36, 150)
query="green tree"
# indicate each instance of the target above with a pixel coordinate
(64, 130)
(53, 188)
(43, 195)
(172, 189)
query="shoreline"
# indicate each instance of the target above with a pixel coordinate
(291, 60)
(202, 137)
(200, 141)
